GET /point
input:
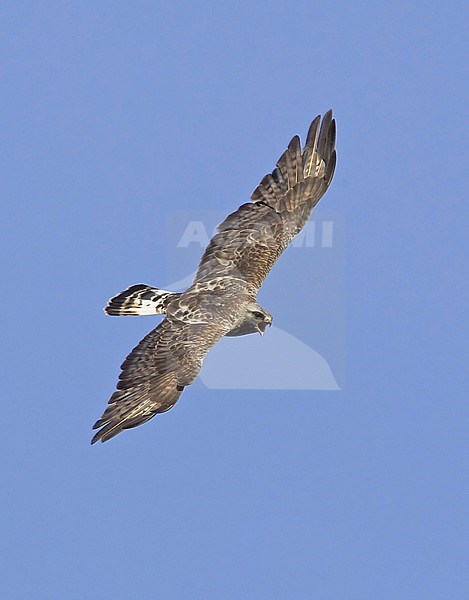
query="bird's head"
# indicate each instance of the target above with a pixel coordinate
(255, 320)
(260, 318)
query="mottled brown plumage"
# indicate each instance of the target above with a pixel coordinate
(222, 298)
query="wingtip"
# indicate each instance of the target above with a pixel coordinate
(331, 167)
(294, 143)
(312, 134)
(327, 119)
(102, 435)
(98, 424)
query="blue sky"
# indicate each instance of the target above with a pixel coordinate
(116, 115)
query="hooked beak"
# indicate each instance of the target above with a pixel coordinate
(262, 326)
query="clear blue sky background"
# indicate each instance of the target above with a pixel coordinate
(114, 113)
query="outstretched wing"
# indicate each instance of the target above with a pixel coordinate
(250, 240)
(155, 373)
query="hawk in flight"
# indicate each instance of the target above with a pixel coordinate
(222, 298)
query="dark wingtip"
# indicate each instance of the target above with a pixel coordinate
(97, 436)
(324, 133)
(331, 167)
(294, 144)
(105, 434)
(312, 132)
(98, 423)
(332, 134)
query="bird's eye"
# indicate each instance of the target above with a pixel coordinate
(257, 314)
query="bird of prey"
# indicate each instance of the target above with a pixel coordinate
(222, 298)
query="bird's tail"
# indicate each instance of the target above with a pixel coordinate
(139, 299)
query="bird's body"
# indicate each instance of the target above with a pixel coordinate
(222, 298)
